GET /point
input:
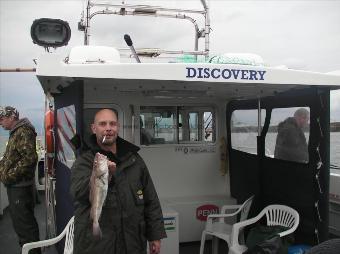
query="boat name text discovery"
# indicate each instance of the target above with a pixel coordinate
(217, 73)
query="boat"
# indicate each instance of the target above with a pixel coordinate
(210, 123)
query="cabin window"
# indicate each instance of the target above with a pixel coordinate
(244, 129)
(209, 128)
(157, 125)
(334, 149)
(188, 126)
(173, 125)
(288, 134)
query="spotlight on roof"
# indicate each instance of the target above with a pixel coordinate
(50, 33)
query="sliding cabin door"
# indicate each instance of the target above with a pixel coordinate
(255, 168)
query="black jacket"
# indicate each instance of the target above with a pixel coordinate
(131, 214)
(291, 142)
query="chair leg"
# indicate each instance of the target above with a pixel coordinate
(214, 245)
(202, 243)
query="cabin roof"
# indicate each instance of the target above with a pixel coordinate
(206, 79)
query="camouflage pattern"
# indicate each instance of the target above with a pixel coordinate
(9, 111)
(20, 158)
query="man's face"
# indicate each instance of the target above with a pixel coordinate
(105, 125)
(303, 121)
(7, 122)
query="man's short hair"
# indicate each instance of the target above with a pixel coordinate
(9, 111)
(113, 110)
(301, 112)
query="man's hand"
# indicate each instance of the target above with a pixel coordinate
(155, 247)
(112, 167)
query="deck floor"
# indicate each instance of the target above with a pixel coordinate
(9, 241)
(8, 238)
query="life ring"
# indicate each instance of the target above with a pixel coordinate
(49, 139)
(49, 123)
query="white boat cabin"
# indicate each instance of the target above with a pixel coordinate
(206, 125)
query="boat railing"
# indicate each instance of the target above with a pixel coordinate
(95, 8)
(151, 52)
(50, 203)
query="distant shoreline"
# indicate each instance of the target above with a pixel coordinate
(334, 127)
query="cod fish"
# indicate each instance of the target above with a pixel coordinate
(98, 190)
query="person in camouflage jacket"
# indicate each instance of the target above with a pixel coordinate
(17, 173)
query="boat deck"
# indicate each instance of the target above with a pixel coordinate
(8, 238)
(9, 241)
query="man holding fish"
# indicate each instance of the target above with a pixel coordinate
(117, 209)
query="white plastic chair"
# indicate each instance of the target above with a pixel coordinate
(218, 228)
(68, 231)
(276, 215)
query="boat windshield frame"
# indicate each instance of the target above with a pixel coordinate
(151, 11)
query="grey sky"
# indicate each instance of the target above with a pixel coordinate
(300, 34)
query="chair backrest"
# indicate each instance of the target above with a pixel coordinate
(281, 215)
(246, 208)
(275, 214)
(68, 248)
(67, 233)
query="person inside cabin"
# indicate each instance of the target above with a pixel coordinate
(131, 213)
(17, 168)
(291, 142)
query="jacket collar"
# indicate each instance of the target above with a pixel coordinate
(20, 123)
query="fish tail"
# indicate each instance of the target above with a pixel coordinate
(96, 230)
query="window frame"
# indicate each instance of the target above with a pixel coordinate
(263, 117)
(200, 109)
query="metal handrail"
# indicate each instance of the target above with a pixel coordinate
(50, 206)
(140, 51)
(147, 7)
(152, 11)
(176, 16)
